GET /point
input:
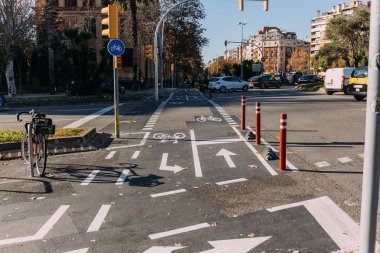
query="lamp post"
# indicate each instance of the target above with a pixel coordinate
(241, 50)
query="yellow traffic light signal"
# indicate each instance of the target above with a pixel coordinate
(265, 5)
(112, 21)
(149, 51)
(241, 5)
(117, 62)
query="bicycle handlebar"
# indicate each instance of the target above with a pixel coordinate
(34, 115)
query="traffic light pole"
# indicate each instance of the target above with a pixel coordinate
(116, 97)
(156, 33)
(370, 192)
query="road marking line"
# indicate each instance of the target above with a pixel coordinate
(222, 141)
(338, 225)
(361, 155)
(49, 224)
(167, 193)
(99, 219)
(197, 163)
(135, 155)
(122, 177)
(142, 143)
(322, 164)
(86, 119)
(84, 250)
(110, 155)
(232, 181)
(147, 129)
(90, 177)
(288, 163)
(256, 153)
(179, 231)
(344, 159)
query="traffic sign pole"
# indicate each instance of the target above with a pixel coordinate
(116, 97)
(116, 48)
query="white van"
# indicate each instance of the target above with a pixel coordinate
(337, 80)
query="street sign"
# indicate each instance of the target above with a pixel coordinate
(115, 47)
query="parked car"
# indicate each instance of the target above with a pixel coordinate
(308, 79)
(107, 86)
(3, 102)
(264, 81)
(358, 82)
(336, 80)
(292, 77)
(225, 83)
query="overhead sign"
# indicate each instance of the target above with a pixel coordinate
(115, 47)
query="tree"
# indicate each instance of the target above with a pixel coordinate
(184, 38)
(299, 60)
(331, 56)
(351, 33)
(16, 32)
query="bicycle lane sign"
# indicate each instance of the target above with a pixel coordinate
(115, 47)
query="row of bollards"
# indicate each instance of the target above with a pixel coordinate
(269, 154)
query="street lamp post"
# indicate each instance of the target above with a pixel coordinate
(241, 50)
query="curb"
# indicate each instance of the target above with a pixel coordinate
(90, 141)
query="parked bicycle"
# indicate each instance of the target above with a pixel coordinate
(34, 141)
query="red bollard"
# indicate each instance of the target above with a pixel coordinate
(258, 138)
(242, 112)
(283, 124)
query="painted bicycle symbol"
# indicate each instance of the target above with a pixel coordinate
(167, 137)
(208, 118)
(116, 48)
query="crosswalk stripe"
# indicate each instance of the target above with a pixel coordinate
(90, 177)
(122, 177)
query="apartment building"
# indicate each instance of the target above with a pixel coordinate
(319, 23)
(274, 47)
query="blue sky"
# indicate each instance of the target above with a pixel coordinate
(223, 17)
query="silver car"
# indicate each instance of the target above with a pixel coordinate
(225, 83)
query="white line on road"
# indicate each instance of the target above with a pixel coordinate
(99, 218)
(49, 224)
(337, 224)
(232, 181)
(288, 163)
(135, 155)
(84, 250)
(179, 231)
(86, 119)
(222, 141)
(122, 177)
(322, 164)
(142, 143)
(361, 155)
(256, 153)
(147, 128)
(110, 155)
(167, 193)
(75, 110)
(197, 163)
(344, 159)
(90, 177)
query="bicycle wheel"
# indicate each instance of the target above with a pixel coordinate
(24, 147)
(41, 155)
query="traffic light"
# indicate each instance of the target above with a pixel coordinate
(265, 5)
(225, 43)
(149, 51)
(118, 64)
(241, 5)
(112, 21)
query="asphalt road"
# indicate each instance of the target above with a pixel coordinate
(182, 178)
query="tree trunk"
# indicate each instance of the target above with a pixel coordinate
(51, 71)
(10, 75)
(135, 38)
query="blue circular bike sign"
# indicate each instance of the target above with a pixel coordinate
(116, 47)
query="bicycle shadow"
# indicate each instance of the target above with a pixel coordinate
(77, 173)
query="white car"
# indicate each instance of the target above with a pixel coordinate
(225, 83)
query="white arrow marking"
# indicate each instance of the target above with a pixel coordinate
(163, 249)
(236, 245)
(227, 154)
(164, 165)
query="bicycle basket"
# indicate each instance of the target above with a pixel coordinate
(44, 129)
(42, 121)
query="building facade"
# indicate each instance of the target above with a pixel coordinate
(318, 24)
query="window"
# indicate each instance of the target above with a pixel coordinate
(70, 3)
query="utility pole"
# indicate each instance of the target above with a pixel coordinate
(241, 50)
(370, 192)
